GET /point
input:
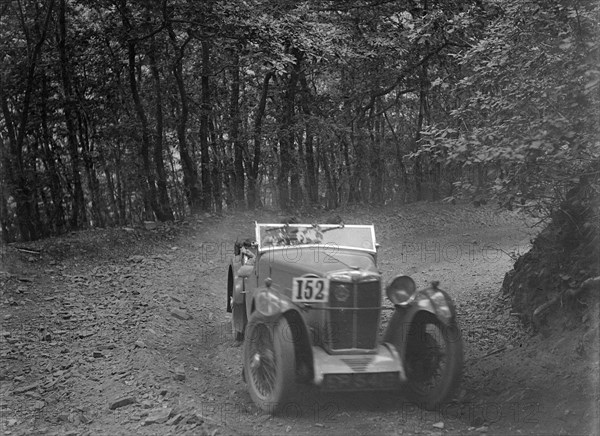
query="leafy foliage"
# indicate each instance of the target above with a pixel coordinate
(116, 112)
(528, 105)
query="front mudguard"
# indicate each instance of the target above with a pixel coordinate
(283, 306)
(236, 284)
(431, 300)
(279, 304)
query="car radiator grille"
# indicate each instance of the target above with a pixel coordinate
(353, 321)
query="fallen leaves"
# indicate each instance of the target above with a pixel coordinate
(488, 327)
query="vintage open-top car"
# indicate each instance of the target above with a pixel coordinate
(306, 299)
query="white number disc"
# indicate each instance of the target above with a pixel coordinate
(310, 290)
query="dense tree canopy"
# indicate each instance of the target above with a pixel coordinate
(115, 111)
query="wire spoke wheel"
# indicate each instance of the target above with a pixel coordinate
(269, 363)
(262, 361)
(428, 360)
(433, 361)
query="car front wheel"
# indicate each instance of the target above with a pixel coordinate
(269, 363)
(434, 358)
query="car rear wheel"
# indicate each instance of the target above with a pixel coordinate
(239, 319)
(434, 357)
(269, 363)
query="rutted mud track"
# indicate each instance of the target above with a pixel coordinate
(125, 332)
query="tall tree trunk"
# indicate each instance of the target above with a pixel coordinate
(58, 213)
(90, 169)
(4, 217)
(115, 218)
(420, 122)
(217, 169)
(238, 145)
(299, 168)
(399, 160)
(122, 191)
(287, 158)
(78, 213)
(178, 193)
(311, 181)
(423, 88)
(333, 198)
(253, 198)
(34, 182)
(357, 171)
(148, 184)
(13, 160)
(377, 169)
(205, 107)
(164, 207)
(190, 173)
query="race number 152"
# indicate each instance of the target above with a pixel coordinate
(310, 290)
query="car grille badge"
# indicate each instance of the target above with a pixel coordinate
(341, 293)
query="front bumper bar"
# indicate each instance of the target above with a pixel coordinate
(373, 371)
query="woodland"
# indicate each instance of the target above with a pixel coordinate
(115, 112)
(140, 138)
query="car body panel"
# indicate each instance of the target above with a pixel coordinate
(431, 300)
(341, 335)
(353, 265)
(283, 265)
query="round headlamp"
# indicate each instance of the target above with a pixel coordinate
(267, 303)
(401, 289)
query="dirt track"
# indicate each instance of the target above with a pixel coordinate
(125, 332)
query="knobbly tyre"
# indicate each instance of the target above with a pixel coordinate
(306, 300)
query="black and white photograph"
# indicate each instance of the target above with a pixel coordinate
(299, 217)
